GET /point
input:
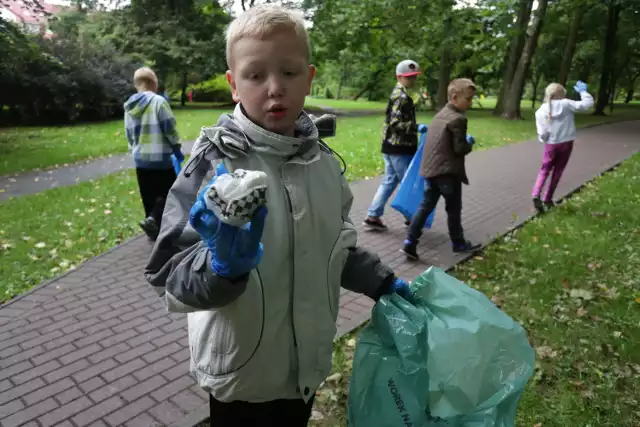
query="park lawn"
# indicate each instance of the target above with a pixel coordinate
(345, 104)
(28, 148)
(45, 234)
(571, 278)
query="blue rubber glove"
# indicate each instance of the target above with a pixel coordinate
(177, 166)
(471, 140)
(422, 128)
(235, 251)
(580, 86)
(401, 288)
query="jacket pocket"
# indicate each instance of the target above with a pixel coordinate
(337, 259)
(227, 338)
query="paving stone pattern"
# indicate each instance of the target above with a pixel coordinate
(96, 348)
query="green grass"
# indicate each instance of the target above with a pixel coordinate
(46, 234)
(571, 278)
(358, 139)
(345, 104)
(28, 148)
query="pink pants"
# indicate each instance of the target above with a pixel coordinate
(555, 159)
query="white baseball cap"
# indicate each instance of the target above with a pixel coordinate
(408, 68)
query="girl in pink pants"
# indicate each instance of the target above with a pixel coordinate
(557, 130)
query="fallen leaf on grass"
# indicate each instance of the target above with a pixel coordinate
(581, 312)
(581, 293)
(334, 377)
(316, 415)
(546, 352)
(351, 342)
(40, 245)
(617, 334)
(497, 301)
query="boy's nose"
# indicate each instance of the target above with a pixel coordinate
(276, 87)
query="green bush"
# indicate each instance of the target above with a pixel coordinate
(216, 89)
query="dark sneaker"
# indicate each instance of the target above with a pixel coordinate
(537, 203)
(548, 205)
(374, 224)
(465, 247)
(150, 228)
(410, 250)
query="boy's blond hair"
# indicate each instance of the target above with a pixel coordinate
(262, 21)
(145, 79)
(458, 86)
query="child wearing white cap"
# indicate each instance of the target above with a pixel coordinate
(399, 141)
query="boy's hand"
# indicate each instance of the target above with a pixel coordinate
(422, 128)
(580, 86)
(235, 251)
(471, 140)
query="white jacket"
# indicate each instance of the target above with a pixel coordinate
(561, 126)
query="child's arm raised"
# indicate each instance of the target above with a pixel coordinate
(585, 103)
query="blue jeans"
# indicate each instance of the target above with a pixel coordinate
(395, 167)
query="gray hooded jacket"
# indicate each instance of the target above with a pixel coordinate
(269, 335)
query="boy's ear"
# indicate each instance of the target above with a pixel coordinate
(232, 83)
(312, 73)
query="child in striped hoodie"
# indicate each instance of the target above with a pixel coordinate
(151, 132)
(557, 130)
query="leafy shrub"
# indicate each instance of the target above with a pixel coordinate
(216, 89)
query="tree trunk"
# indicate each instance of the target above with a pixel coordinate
(368, 86)
(183, 96)
(535, 82)
(609, 53)
(570, 47)
(515, 50)
(343, 76)
(629, 97)
(514, 94)
(445, 66)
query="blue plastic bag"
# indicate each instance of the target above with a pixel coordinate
(411, 191)
(449, 358)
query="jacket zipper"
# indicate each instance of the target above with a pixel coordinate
(291, 240)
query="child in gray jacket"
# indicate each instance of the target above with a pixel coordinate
(263, 297)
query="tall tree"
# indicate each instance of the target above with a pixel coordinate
(514, 94)
(445, 65)
(572, 41)
(610, 44)
(515, 50)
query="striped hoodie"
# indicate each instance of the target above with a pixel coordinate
(151, 130)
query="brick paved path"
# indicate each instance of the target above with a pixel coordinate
(95, 347)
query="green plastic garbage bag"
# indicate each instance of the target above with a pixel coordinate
(448, 358)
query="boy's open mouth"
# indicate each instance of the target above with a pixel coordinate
(277, 111)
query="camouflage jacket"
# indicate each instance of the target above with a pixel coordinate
(399, 134)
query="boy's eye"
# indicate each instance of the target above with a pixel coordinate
(290, 73)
